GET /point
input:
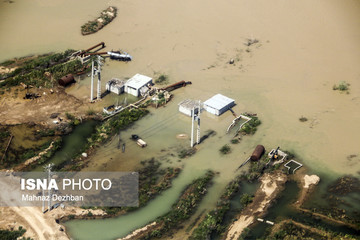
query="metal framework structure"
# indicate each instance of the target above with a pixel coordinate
(47, 169)
(96, 70)
(195, 118)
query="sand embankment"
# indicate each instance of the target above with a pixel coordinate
(271, 185)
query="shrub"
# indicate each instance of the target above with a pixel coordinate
(162, 79)
(303, 119)
(90, 112)
(246, 199)
(343, 86)
(225, 149)
(69, 116)
(251, 126)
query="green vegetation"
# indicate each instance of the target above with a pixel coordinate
(56, 145)
(73, 120)
(251, 126)
(289, 230)
(11, 235)
(183, 209)
(17, 155)
(105, 18)
(7, 63)
(225, 149)
(115, 124)
(303, 119)
(46, 132)
(235, 141)
(186, 152)
(42, 70)
(343, 86)
(338, 197)
(90, 112)
(246, 199)
(256, 169)
(152, 181)
(107, 129)
(214, 219)
(162, 79)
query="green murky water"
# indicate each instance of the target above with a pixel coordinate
(282, 210)
(72, 144)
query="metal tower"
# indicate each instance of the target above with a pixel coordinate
(48, 169)
(92, 82)
(96, 70)
(192, 127)
(198, 124)
(195, 117)
(99, 63)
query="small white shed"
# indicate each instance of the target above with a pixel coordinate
(134, 84)
(115, 85)
(187, 105)
(218, 104)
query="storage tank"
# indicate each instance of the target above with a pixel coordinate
(258, 152)
(66, 80)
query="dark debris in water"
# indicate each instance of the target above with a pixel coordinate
(345, 185)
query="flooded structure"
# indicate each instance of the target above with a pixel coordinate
(137, 84)
(218, 104)
(116, 86)
(188, 105)
(66, 80)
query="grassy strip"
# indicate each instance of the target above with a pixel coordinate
(115, 124)
(183, 209)
(290, 230)
(32, 72)
(213, 220)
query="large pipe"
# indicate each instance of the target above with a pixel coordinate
(258, 152)
(175, 86)
(95, 53)
(102, 46)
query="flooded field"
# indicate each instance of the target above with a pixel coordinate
(304, 49)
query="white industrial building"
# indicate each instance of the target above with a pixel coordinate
(134, 84)
(187, 105)
(218, 104)
(115, 85)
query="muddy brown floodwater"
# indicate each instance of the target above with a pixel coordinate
(304, 48)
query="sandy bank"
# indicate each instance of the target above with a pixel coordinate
(139, 231)
(271, 185)
(38, 225)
